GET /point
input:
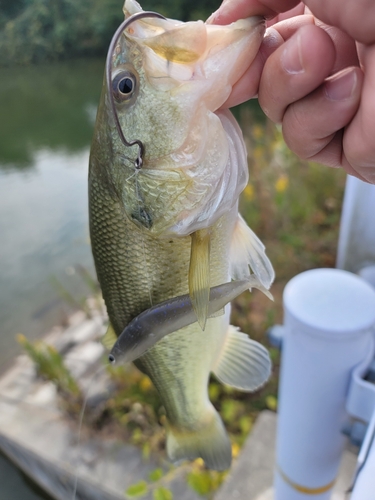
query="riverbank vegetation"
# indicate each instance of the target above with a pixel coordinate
(37, 31)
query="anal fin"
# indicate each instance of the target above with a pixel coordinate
(109, 338)
(199, 274)
(244, 363)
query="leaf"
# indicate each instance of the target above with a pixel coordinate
(271, 403)
(156, 474)
(214, 392)
(274, 353)
(146, 451)
(229, 410)
(137, 490)
(245, 424)
(162, 494)
(235, 450)
(137, 436)
(200, 482)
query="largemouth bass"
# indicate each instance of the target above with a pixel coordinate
(166, 171)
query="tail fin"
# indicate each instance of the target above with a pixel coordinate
(210, 442)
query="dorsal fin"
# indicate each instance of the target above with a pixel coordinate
(247, 250)
(199, 274)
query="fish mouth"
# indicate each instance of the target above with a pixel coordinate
(212, 58)
(230, 51)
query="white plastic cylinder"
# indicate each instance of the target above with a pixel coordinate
(329, 319)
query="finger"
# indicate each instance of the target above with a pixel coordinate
(247, 86)
(288, 27)
(359, 144)
(310, 124)
(345, 46)
(231, 10)
(355, 17)
(299, 66)
(298, 10)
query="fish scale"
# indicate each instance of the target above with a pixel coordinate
(131, 261)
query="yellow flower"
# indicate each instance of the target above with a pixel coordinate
(249, 192)
(281, 183)
(145, 384)
(199, 462)
(258, 153)
(235, 450)
(257, 132)
(21, 339)
(271, 402)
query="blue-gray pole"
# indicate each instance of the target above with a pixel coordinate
(329, 321)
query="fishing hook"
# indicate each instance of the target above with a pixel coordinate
(108, 71)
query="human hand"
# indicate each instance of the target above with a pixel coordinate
(316, 76)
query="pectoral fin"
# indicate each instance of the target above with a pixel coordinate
(199, 274)
(244, 363)
(247, 250)
(109, 339)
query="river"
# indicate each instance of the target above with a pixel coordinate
(47, 117)
(46, 127)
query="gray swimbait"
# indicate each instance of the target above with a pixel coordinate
(152, 325)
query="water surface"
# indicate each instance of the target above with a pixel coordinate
(47, 116)
(45, 132)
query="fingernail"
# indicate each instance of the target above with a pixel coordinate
(211, 19)
(224, 8)
(341, 86)
(291, 58)
(271, 41)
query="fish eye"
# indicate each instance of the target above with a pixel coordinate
(124, 86)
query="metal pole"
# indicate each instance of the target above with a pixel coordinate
(329, 320)
(364, 488)
(356, 246)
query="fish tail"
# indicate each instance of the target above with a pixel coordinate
(210, 442)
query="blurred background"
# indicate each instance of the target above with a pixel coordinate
(52, 56)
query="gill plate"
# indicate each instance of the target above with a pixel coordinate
(108, 71)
